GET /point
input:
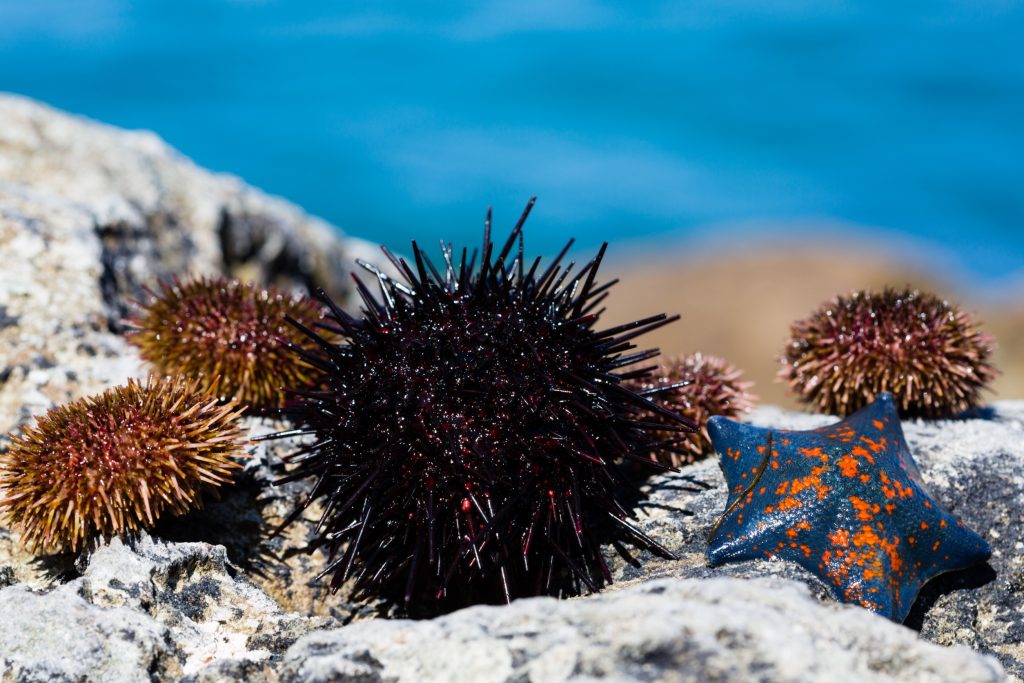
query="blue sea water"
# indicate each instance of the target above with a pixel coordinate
(643, 121)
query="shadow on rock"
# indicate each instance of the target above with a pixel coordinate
(234, 520)
(965, 579)
(58, 568)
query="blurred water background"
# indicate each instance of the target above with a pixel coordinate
(670, 124)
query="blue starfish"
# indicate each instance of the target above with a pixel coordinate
(846, 502)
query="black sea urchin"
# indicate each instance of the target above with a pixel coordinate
(115, 462)
(210, 328)
(927, 353)
(695, 386)
(466, 446)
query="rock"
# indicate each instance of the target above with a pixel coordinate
(157, 213)
(55, 341)
(975, 467)
(58, 636)
(212, 613)
(171, 609)
(89, 215)
(667, 630)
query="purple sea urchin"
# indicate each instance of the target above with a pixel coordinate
(216, 327)
(695, 386)
(465, 447)
(115, 462)
(927, 353)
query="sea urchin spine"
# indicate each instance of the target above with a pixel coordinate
(927, 353)
(115, 462)
(466, 446)
(696, 386)
(207, 328)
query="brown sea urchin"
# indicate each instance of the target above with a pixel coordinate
(926, 352)
(696, 386)
(216, 327)
(465, 449)
(115, 462)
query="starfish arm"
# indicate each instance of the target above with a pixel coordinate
(736, 444)
(882, 417)
(735, 541)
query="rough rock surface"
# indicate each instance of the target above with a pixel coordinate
(719, 629)
(90, 214)
(171, 610)
(102, 644)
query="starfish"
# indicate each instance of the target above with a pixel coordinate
(846, 502)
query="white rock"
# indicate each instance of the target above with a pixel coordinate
(58, 636)
(666, 630)
(89, 215)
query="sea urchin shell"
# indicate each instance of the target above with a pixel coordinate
(695, 386)
(215, 327)
(465, 448)
(116, 462)
(927, 353)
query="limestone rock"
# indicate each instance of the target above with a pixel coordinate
(212, 613)
(55, 341)
(58, 636)
(156, 213)
(176, 610)
(89, 215)
(667, 630)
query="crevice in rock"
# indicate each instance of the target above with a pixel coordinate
(248, 249)
(7, 320)
(135, 256)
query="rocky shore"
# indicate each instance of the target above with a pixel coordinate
(90, 214)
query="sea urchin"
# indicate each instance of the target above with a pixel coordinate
(695, 386)
(465, 448)
(927, 353)
(216, 327)
(116, 462)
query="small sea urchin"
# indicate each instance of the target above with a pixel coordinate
(465, 447)
(115, 462)
(695, 386)
(216, 327)
(927, 353)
